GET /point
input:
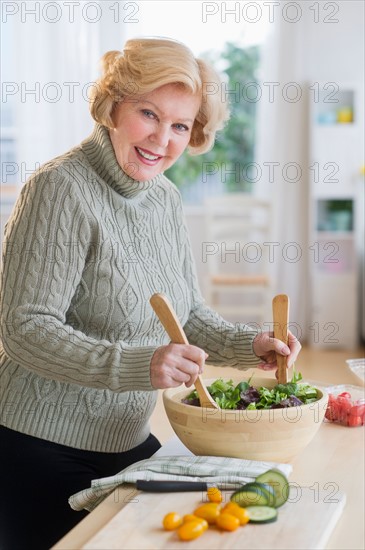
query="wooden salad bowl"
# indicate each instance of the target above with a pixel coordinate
(277, 435)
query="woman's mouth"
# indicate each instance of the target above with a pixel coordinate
(147, 156)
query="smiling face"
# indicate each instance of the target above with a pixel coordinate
(152, 131)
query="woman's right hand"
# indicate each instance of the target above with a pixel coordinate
(176, 364)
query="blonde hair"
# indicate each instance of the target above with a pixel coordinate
(148, 63)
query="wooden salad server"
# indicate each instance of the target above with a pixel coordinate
(171, 323)
(280, 308)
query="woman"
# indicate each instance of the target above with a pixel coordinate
(94, 234)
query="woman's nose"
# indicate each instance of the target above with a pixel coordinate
(161, 135)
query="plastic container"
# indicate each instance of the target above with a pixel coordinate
(357, 367)
(346, 405)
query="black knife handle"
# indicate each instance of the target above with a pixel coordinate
(167, 486)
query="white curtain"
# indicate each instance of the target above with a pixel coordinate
(57, 60)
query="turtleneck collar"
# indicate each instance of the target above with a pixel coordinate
(100, 153)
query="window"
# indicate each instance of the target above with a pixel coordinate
(8, 140)
(229, 166)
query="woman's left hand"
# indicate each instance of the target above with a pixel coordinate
(265, 346)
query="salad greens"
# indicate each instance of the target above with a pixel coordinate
(244, 396)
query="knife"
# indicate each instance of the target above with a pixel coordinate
(170, 486)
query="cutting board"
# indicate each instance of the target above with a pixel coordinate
(305, 522)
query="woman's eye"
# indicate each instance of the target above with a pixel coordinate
(181, 127)
(148, 113)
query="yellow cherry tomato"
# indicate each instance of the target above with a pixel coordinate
(190, 530)
(227, 522)
(209, 511)
(191, 517)
(238, 512)
(231, 505)
(172, 521)
(214, 494)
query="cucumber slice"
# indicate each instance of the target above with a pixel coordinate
(268, 490)
(250, 494)
(262, 514)
(277, 480)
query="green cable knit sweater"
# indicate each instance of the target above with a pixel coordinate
(85, 248)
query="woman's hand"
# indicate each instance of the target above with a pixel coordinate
(176, 364)
(266, 347)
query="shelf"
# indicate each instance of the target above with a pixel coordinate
(335, 215)
(336, 127)
(332, 280)
(336, 155)
(333, 255)
(335, 107)
(334, 235)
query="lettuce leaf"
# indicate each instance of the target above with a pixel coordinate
(244, 396)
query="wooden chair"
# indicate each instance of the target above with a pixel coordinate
(239, 283)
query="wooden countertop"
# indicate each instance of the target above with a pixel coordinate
(332, 463)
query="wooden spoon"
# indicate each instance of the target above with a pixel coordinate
(280, 308)
(171, 323)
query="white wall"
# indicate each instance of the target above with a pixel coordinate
(334, 52)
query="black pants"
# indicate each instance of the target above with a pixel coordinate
(37, 478)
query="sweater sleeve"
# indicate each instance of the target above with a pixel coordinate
(226, 343)
(45, 248)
